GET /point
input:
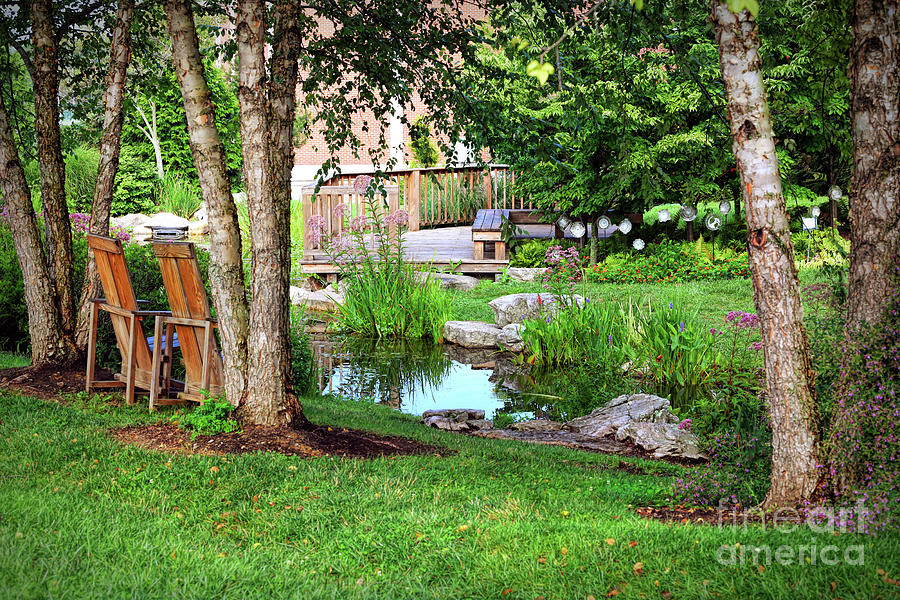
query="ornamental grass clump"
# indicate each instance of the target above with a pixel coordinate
(385, 296)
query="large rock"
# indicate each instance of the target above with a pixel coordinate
(662, 440)
(536, 425)
(618, 412)
(471, 334)
(450, 281)
(198, 228)
(168, 220)
(510, 338)
(524, 273)
(318, 301)
(456, 419)
(201, 214)
(130, 221)
(515, 308)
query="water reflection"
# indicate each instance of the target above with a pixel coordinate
(417, 376)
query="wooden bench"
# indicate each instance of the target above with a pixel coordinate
(489, 223)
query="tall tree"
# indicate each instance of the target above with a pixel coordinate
(273, 401)
(57, 228)
(793, 414)
(48, 344)
(875, 188)
(226, 268)
(110, 144)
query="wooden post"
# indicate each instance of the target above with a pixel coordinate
(414, 199)
(91, 347)
(157, 359)
(307, 214)
(488, 190)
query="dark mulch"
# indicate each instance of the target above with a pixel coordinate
(47, 382)
(683, 514)
(315, 441)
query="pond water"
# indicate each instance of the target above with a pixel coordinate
(417, 376)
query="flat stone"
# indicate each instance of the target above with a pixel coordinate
(618, 412)
(510, 338)
(168, 220)
(662, 440)
(471, 334)
(515, 308)
(450, 281)
(537, 425)
(130, 221)
(317, 301)
(452, 413)
(480, 424)
(524, 273)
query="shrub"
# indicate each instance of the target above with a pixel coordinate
(211, 417)
(81, 177)
(532, 254)
(178, 196)
(136, 182)
(671, 262)
(825, 246)
(425, 152)
(303, 363)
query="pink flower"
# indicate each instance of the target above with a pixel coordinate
(341, 210)
(398, 217)
(359, 223)
(361, 184)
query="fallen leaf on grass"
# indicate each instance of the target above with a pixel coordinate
(610, 541)
(563, 551)
(638, 568)
(542, 560)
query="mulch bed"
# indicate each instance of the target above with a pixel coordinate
(315, 441)
(47, 383)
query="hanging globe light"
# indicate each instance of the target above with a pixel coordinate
(724, 207)
(563, 222)
(663, 215)
(688, 213)
(835, 193)
(625, 226)
(638, 244)
(815, 211)
(713, 222)
(577, 229)
(603, 223)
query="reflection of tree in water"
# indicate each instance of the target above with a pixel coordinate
(386, 372)
(560, 395)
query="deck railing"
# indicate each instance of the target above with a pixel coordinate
(333, 223)
(442, 196)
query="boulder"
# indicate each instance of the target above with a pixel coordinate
(456, 419)
(471, 334)
(618, 412)
(452, 413)
(317, 301)
(537, 425)
(198, 228)
(662, 440)
(510, 338)
(202, 214)
(524, 273)
(515, 308)
(168, 220)
(130, 221)
(450, 281)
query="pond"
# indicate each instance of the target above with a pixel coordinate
(417, 376)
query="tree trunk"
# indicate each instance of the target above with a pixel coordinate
(152, 134)
(226, 269)
(57, 227)
(789, 381)
(270, 400)
(48, 343)
(110, 144)
(875, 188)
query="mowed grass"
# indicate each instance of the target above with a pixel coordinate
(83, 516)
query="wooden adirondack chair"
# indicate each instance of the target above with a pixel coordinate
(191, 319)
(139, 367)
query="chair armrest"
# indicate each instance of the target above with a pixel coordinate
(153, 313)
(189, 322)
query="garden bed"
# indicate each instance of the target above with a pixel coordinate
(47, 383)
(316, 441)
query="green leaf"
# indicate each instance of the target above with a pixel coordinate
(737, 6)
(638, 4)
(540, 71)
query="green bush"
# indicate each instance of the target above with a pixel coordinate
(211, 417)
(671, 262)
(81, 177)
(425, 152)
(826, 247)
(136, 184)
(532, 254)
(303, 363)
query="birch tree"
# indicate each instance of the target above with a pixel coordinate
(793, 414)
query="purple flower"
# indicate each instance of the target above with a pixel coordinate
(755, 346)
(341, 210)
(362, 183)
(681, 327)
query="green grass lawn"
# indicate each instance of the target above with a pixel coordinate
(82, 516)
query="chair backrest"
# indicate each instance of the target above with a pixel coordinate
(118, 291)
(187, 299)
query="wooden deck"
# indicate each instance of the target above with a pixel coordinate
(441, 248)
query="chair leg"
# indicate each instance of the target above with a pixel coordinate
(500, 250)
(154, 372)
(91, 348)
(207, 335)
(130, 373)
(167, 369)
